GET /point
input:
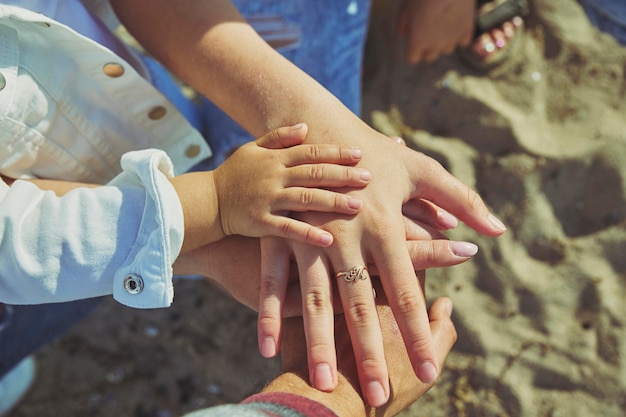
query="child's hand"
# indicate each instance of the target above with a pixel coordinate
(434, 28)
(258, 186)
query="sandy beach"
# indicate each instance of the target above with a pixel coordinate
(540, 311)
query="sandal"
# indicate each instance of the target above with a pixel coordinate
(493, 46)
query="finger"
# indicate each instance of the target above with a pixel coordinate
(355, 291)
(416, 230)
(272, 293)
(326, 175)
(429, 213)
(284, 137)
(426, 254)
(317, 313)
(447, 192)
(316, 154)
(408, 304)
(298, 231)
(313, 199)
(442, 327)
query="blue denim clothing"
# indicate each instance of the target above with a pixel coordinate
(29, 327)
(330, 49)
(607, 15)
(332, 38)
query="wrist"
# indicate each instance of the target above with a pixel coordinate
(197, 194)
(344, 400)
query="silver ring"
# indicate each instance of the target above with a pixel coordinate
(354, 274)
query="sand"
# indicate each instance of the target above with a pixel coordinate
(540, 311)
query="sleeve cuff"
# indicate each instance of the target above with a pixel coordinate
(145, 278)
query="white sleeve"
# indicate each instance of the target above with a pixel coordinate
(120, 239)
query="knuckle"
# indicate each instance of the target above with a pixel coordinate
(361, 312)
(316, 172)
(316, 303)
(306, 198)
(409, 303)
(315, 152)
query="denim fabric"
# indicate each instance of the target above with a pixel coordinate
(30, 327)
(607, 15)
(332, 37)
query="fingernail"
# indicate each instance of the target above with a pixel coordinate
(426, 372)
(449, 307)
(500, 43)
(497, 223)
(326, 238)
(323, 378)
(447, 220)
(365, 175)
(268, 347)
(297, 126)
(356, 153)
(463, 249)
(354, 203)
(490, 47)
(375, 394)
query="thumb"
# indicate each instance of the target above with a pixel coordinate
(283, 137)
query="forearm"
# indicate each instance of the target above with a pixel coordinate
(208, 44)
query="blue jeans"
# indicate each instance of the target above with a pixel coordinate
(608, 16)
(329, 47)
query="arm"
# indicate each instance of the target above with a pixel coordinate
(208, 45)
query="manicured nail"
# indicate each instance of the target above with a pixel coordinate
(323, 378)
(354, 203)
(356, 153)
(500, 42)
(497, 223)
(326, 238)
(297, 126)
(490, 47)
(268, 347)
(463, 249)
(448, 306)
(426, 372)
(375, 394)
(447, 220)
(365, 175)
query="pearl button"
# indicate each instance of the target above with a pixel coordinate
(113, 70)
(133, 284)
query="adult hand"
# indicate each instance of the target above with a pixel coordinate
(376, 234)
(434, 28)
(346, 400)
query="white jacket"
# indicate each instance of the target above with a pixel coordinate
(71, 109)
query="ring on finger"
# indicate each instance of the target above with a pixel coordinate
(358, 272)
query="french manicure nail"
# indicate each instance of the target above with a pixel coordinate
(268, 347)
(326, 238)
(426, 372)
(356, 153)
(447, 220)
(365, 175)
(497, 223)
(354, 203)
(463, 249)
(323, 378)
(376, 396)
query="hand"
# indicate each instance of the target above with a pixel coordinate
(345, 400)
(260, 184)
(376, 234)
(434, 28)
